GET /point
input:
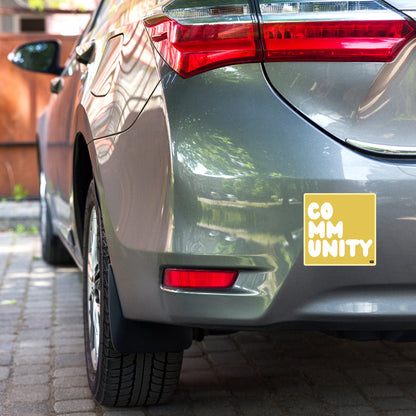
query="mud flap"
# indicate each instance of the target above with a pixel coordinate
(130, 336)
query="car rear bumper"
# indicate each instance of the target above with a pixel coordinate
(212, 174)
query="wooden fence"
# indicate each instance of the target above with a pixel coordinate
(23, 97)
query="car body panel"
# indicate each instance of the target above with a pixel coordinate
(210, 172)
(243, 208)
(56, 139)
(368, 104)
(116, 98)
(92, 116)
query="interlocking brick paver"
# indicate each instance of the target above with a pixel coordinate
(201, 378)
(394, 403)
(31, 359)
(69, 341)
(178, 407)
(195, 363)
(226, 357)
(367, 375)
(70, 372)
(30, 394)
(355, 411)
(31, 379)
(215, 406)
(69, 360)
(122, 412)
(258, 408)
(65, 382)
(193, 351)
(29, 409)
(203, 394)
(401, 374)
(5, 358)
(78, 405)
(42, 365)
(72, 393)
(342, 396)
(4, 373)
(383, 390)
(80, 414)
(235, 371)
(307, 407)
(326, 376)
(219, 343)
(31, 369)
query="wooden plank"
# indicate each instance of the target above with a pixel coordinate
(23, 97)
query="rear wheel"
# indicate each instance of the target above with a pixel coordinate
(116, 379)
(53, 250)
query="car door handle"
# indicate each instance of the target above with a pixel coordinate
(57, 84)
(85, 52)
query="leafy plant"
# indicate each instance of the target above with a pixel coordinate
(19, 193)
(41, 5)
(8, 302)
(24, 229)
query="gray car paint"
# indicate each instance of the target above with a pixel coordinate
(211, 172)
(125, 77)
(242, 207)
(368, 104)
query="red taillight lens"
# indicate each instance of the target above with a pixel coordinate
(195, 36)
(332, 30)
(198, 279)
(190, 49)
(334, 41)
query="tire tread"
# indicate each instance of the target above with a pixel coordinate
(139, 379)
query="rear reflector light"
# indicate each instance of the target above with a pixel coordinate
(196, 36)
(198, 279)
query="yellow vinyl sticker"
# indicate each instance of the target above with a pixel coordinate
(339, 229)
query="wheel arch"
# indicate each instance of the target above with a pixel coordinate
(82, 176)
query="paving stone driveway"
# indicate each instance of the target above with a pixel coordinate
(42, 369)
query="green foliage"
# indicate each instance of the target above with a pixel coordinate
(8, 302)
(24, 229)
(37, 4)
(19, 193)
(41, 5)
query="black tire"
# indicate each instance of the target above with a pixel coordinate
(53, 250)
(116, 379)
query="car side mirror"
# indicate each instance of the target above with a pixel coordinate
(42, 56)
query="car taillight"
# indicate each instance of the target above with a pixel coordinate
(337, 30)
(196, 36)
(198, 279)
(196, 39)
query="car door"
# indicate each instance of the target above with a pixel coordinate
(59, 148)
(66, 92)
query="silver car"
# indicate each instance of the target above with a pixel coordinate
(216, 165)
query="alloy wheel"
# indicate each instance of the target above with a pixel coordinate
(93, 289)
